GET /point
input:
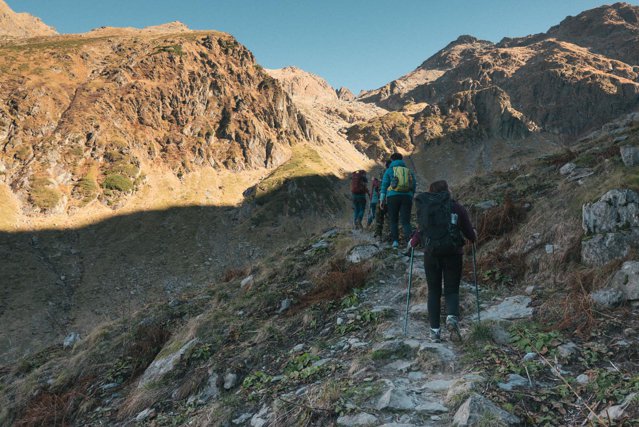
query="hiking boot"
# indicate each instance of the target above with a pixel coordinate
(395, 244)
(452, 324)
(435, 335)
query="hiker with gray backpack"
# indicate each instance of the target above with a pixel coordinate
(396, 195)
(443, 225)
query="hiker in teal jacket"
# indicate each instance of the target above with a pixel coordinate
(399, 204)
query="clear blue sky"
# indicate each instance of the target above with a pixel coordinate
(361, 44)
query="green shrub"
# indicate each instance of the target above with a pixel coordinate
(42, 195)
(117, 182)
(87, 188)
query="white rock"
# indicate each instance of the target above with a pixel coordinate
(230, 380)
(148, 412)
(437, 385)
(431, 408)
(615, 210)
(395, 399)
(567, 169)
(511, 308)
(361, 419)
(616, 412)
(247, 282)
(627, 280)
(607, 297)
(583, 379)
(550, 249)
(70, 340)
(477, 408)
(567, 350)
(162, 366)
(630, 155)
(362, 253)
(242, 419)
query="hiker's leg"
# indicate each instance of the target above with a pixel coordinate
(452, 270)
(379, 220)
(354, 210)
(433, 269)
(393, 205)
(361, 207)
(404, 215)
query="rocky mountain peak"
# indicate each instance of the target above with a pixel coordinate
(303, 85)
(345, 94)
(609, 30)
(21, 25)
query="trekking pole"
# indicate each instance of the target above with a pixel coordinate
(410, 281)
(476, 286)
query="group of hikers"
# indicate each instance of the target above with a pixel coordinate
(443, 227)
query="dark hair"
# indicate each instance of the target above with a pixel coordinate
(396, 156)
(438, 187)
(388, 162)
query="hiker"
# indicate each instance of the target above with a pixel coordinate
(380, 211)
(398, 188)
(443, 224)
(374, 195)
(359, 191)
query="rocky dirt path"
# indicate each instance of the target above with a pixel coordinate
(397, 379)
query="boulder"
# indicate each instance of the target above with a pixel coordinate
(607, 297)
(395, 400)
(616, 210)
(567, 169)
(361, 419)
(514, 381)
(230, 380)
(164, 364)
(600, 249)
(247, 282)
(627, 280)
(630, 155)
(511, 308)
(70, 340)
(478, 410)
(362, 253)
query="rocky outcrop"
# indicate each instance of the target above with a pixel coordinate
(87, 123)
(588, 61)
(611, 226)
(21, 25)
(627, 280)
(345, 94)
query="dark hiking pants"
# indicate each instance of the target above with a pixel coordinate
(399, 207)
(359, 207)
(448, 268)
(379, 219)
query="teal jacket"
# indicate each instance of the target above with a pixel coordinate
(386, 181)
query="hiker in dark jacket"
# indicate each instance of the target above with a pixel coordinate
(398, 196)
(359, 191)
(380, 211)
(446, 264)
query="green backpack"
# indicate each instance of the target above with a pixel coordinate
(402, 180)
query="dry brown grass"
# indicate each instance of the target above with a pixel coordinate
(235, 273)
(338, 281)
(55, 409)
(500, 220)
(573, 308)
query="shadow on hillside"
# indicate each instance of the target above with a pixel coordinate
(53, 282)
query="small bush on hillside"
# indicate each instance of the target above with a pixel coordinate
(42, 195)
(86, 189)
(117, 182)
